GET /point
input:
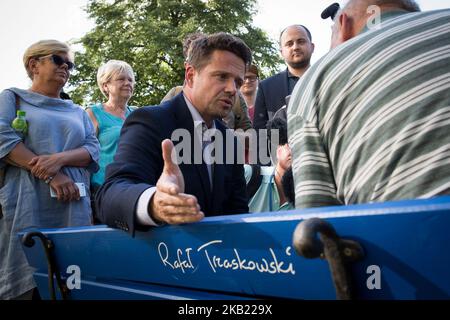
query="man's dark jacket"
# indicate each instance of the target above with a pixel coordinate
(138, 164)
(270, 98)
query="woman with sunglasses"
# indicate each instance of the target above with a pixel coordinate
(47, 168)
(116, 81)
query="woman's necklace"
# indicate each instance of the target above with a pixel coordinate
(118, 112)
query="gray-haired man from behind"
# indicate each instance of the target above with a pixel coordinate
(370, 120)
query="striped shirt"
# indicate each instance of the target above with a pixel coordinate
(370, 122)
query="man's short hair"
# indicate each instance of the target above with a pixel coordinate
(408, 5)
(188, 41)
(280, 125)
(203, 48)
(308, 33)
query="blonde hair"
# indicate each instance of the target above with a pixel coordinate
(111, 68)
(43, 48)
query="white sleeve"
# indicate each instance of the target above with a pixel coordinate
(142, 213)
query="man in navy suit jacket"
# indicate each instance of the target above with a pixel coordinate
(144, 186)
(296, 48)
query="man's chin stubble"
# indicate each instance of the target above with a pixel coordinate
(299, 65)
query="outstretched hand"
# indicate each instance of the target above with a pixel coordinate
(169, 203)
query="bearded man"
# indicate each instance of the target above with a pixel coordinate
(296, 48)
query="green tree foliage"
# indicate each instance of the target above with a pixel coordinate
(148, 34)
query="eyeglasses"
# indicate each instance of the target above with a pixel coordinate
(250, 78)
(59, 61)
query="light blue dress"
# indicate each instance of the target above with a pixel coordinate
(266, 198)
(54, 125)
(109, 127)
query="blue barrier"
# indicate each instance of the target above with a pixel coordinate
(251, 256)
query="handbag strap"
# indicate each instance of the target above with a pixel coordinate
(17, 101)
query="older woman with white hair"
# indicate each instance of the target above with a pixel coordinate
(46, 169)
(116, 81)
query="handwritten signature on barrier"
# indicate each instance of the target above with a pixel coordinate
(185, 259)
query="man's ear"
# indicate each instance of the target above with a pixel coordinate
(346, 30)
(189, 75)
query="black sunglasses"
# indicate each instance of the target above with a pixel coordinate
(59, 61)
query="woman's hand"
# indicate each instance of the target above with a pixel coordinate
(65, 188)
(46, 166)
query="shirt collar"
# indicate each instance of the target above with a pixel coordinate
(385, 16)
(290, 75)
(195, 114)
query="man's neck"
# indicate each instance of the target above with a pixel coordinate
(298, 72)
(361, 24)
(208, 121)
